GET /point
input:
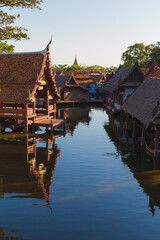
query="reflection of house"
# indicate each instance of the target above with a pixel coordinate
(145, 170)
(70, 89)
(27, 86)
(74, 116)
(120, 86)
(26, 168)
(119, 136)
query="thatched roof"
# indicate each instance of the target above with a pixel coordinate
(61, 80)
(97, 77)
(143, 104)
(21, 74)
(112, 84)
(121, 78)
(83, 77)
(69, 81)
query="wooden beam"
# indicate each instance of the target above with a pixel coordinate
(134, 128)
(143, 136)
(47, 100)
(157, 134)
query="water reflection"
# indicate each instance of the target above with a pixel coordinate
(74, 116)
(27, 166)
(145, 169)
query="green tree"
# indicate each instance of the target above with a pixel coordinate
(4, 47)
(8, 31)
(154, 54)
(111, 69)
(137, 52)
(96, 69)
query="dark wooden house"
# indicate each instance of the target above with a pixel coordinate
(122, 84)
(70, 89)
(143, 107)
(27, 87)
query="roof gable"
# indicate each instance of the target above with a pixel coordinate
(24, 71)
(72, 80)
(122, 76)
(61, 80)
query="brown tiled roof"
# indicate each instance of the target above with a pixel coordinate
(18, 93)
(97, 77)
(154, 73)
(22, 68)
(66, 81)
(145, 71)
(83, 77)
(21, 73)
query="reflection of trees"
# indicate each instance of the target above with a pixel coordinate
(74, 116)
(6, 234)
(26, 168)
(145, 169)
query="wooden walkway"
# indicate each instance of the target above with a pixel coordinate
(52, 123)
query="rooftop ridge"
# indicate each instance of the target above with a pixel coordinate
(16, 53)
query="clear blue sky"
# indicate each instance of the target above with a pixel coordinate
(97, 31)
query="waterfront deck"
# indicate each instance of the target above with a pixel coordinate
(52, 123)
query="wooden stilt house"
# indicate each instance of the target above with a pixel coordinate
(27, 87)
(143, 107)
(122, 85)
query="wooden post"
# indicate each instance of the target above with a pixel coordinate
(134, 128)
(143, 136)
(127, 122)
(34, 107)
(51, 126)
(47, 100)
(47, 148)
(121, 116)
(26, 117)
(156, 147)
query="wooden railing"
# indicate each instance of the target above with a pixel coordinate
(16, 113)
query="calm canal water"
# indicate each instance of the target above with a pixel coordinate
(89, 184)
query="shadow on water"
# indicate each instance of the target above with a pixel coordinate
(74, 116)
(28, 162)
(145, 169)
(27, 166)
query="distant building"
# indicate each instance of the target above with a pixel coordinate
(70, 89)
(76, 62)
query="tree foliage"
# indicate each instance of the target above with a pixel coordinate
(4, 47)
(8, 31)
(144, 55)
(66, 68)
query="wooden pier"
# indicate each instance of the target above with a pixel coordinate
(49, 123)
